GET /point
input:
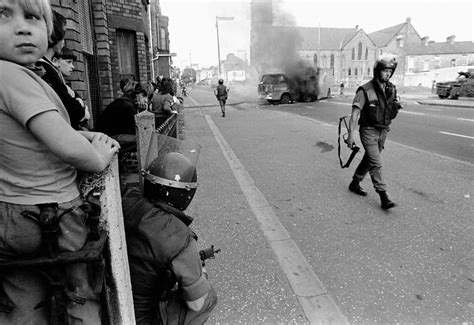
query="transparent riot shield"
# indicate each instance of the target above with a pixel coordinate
(159, 150)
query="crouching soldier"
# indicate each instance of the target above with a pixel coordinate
(168, 282)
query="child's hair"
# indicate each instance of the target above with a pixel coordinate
(133, 88)
(123, 83)
(66, 54)
(41, 8)
(59, 29)
(167, 86)
(149, 90)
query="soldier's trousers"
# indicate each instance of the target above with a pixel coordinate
(373, 140)
(27, 290)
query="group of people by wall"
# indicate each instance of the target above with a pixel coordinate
(45, 139)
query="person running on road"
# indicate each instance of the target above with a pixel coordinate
(376, 103)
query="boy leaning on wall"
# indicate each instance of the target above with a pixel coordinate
(39, 155)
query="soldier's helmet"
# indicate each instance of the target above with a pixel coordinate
(170, 174)
(385, 63)
(221, 81)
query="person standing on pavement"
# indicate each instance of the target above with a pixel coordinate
(221, 93)
(163, 100)
(376, 103)
(51, 74)
(65, 63)
(39, 158)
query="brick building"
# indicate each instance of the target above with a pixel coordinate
(161, 56)
(111, 40)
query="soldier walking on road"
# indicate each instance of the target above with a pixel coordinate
(221, 92)
(376, 103)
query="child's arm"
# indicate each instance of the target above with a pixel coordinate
(70, 145)
(90, 135)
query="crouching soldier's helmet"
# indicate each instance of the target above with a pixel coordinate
(170, 171)
(384, 63)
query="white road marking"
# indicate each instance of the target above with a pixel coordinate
(317, 303)
(410, 112)
(432, 109)
(309, 106)
(465, 119)
(457, 135)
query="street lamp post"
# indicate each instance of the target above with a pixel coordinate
(218, 46)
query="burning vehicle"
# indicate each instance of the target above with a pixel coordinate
(305, 85)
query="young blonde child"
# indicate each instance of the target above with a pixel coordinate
(39, 155)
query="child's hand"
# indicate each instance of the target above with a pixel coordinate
(105, 146)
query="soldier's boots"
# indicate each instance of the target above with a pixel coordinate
(354, 187)
(386, 203)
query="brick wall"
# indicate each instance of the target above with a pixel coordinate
(129, 15)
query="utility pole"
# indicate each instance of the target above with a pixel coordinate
(218, 45)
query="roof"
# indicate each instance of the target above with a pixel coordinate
(324, 38)
(440, 48)
(384, 36)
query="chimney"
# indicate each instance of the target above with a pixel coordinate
(357, 27)
(408, 20)
(425, 40)
(450, 39)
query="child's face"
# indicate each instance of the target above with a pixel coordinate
(23, 34)
(66, 66)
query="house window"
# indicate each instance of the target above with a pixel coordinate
(126, 47)
(355, 72)
(349, 71)
(163, 39)
(324, 63)
(411, 64)
(437, 63)
(315, 60)
(331, 62)
(464, 59)
(426, 65)
(453, 62)
(368, 71)
(366, 53)
(399, 41)
(353, 54)
(359, 51)
(85, 27)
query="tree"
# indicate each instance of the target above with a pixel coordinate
(188, 75)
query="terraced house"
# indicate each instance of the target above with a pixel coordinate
(112, 39)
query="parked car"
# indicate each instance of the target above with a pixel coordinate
(463, 86)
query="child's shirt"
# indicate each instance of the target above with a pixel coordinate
(30, 172)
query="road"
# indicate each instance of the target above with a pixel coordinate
(298, 248)
(448, 131)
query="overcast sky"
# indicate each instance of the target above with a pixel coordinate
(192, 23)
